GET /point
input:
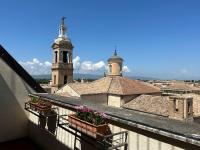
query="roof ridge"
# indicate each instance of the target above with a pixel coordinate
(100, 79)
(73, 88)
(108, 90)
(118, 80)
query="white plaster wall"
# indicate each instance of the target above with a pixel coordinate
(140, 142)
(96, 98)
(62, 135)
(114, 101)
(13, 92)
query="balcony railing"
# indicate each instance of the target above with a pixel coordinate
(141, 127)
(106, 142)
(47, 117)
(50, 120)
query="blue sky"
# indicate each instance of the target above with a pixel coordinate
(156, 38)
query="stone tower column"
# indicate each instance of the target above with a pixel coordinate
(62, 65)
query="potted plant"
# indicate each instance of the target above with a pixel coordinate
(33, 103)
(39, 105)
(89, 122)
(43, 107)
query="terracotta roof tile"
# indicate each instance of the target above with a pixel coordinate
(98, 86)
(135, 87)
(151, 104)
(114, 85)
(180, 86)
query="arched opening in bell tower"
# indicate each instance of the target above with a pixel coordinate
(65, 56)
(56, 56)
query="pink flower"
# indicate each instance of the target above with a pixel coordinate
(85, 109)
(78, 107)
(103, 115)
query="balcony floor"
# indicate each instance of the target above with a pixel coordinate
(21, 144)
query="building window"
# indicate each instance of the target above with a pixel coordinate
(175, 105)
(189, 107)
(54, 79)
(65, 59)
(110, 68)
(56, 56)
(65, 79)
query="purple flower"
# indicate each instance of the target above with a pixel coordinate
(103, 115)
(78, 107)
(89, 115)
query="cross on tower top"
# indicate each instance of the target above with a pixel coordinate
(63, 20)
(62, 28)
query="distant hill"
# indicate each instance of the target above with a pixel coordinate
(45, 76)
(141, 78)
(91, 76)
(76, 76)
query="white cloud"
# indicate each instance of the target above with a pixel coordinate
(47, 63)
(76, 62)
(35, 67)
(36, 61)
(90, 66)
(99, 65)
(126, 69)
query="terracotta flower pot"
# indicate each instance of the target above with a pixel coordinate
(33, 106)
(86, 127)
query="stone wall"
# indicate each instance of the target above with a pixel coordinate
(196, 103)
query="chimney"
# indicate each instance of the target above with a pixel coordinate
(181, 108)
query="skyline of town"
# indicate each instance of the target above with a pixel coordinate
(159, 42)
(100, 75)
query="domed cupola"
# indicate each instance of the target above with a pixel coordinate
(115, 65)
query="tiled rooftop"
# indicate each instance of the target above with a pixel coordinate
(149, 103)
(114, 85)
(178, 85)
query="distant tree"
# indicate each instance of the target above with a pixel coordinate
(42, 81)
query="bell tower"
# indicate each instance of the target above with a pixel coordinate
(62, 65)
